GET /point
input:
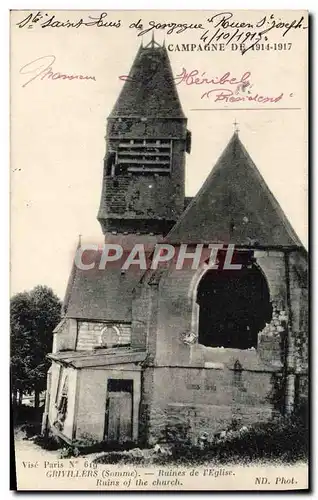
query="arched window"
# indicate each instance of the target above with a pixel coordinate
(234, 305)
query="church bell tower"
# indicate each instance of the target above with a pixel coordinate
(146, 142)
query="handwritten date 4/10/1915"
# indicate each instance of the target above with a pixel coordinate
(224, 28)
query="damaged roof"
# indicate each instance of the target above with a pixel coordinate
(234, 205)
(100, 294)
(149, 89)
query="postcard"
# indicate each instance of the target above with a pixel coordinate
(159, 288)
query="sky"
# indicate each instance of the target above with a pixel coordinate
(58, 129)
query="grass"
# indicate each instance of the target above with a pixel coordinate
(283, 439)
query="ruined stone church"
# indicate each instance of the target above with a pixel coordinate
(139, 352)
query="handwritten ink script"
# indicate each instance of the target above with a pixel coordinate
(42, 69)
(228, 88)
(46, 21)
(222, 27)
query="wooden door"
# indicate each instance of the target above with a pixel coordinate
(119, 410)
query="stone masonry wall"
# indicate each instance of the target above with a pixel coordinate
(89, 334)
(206, 400)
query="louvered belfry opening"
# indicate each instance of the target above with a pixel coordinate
(143, 156)
(234, 307)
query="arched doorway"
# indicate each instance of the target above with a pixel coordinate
(234, 305)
